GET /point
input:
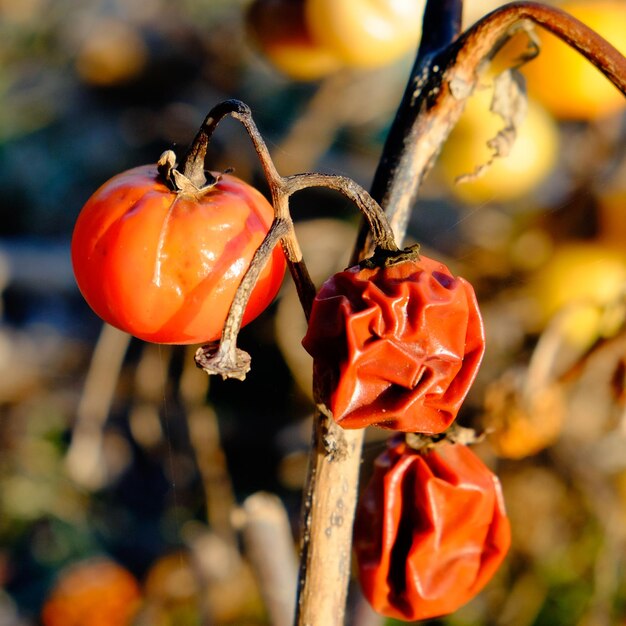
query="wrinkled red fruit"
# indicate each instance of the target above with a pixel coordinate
(430, 530)
(396, 347)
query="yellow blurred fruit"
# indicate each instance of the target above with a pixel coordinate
(530, 161)
(579, 273)
(279, 30)
(366, 33)
(580, 325)
(563, 80)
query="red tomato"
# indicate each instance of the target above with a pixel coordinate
(164, 266)
(430, 530)
(396, 347)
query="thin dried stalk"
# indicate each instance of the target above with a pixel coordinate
(84, 460)
(269, 547)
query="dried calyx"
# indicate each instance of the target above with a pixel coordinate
(454, 434)
(386, 258)
(178, 182)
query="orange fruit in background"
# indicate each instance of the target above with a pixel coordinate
(520, 423)
(530, 161)
(96, 592)
(278, 28)
(563, 80)
(112, 54)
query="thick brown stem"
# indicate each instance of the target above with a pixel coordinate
(331, 489)
(486, 33)
(328, 514)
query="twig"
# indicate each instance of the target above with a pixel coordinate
(226, 359)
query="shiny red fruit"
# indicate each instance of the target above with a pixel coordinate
(164, 265)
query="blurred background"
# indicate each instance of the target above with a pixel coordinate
(126, 476)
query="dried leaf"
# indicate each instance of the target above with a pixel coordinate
(510, 103)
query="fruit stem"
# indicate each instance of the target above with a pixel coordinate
(375, 218)
(495, 26)
(455, 434)
(229, 361)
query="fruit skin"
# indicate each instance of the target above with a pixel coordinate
(279, 29)
(563, 80)
(164, 266)
(430, 530)
(531, 159)
(363, 33)
(396, 347)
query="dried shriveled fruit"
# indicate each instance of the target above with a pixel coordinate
(396, 346)
(430, 530)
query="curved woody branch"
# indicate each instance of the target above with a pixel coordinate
(441, 81)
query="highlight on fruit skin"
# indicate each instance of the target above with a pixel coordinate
(363, 33)
(396, 347)
(430, 530)
(164, 265)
